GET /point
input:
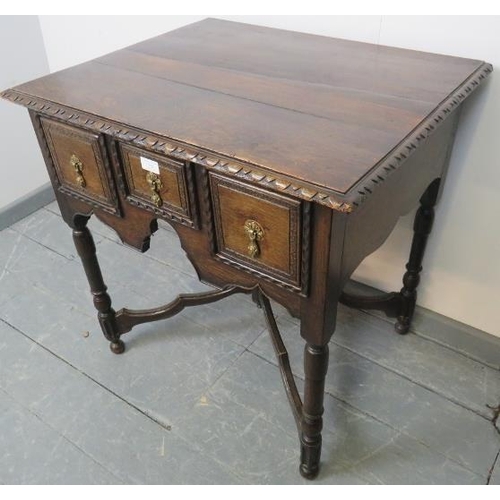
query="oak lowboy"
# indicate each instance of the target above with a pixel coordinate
(280, 159)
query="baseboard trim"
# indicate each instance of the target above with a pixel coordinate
(459, 337)
(26, 205)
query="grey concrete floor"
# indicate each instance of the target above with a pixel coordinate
(198, 398)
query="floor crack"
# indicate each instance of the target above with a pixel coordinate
(496, 415)
(27, 236)
(62, 437)
(490, 472)
(403, 375)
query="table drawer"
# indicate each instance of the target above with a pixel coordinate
(79, 158)
(258, 229)
(158, 183)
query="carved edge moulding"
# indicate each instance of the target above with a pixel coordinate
(257, 174)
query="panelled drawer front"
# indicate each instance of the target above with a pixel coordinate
(80, 163)
(258, 229)
(166, 192)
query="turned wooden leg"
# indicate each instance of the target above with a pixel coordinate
(256, 297)
(422, 228)
(315, 368)
(85, 247)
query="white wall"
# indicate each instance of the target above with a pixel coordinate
(22, 58)
(462, 272)
(462, 266)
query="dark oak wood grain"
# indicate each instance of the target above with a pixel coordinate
(284, 159)
(334, 107)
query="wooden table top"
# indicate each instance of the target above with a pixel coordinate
(320, 110)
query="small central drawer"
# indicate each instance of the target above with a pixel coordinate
(158, 183)
(258, 229)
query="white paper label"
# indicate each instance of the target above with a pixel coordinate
(150, 165)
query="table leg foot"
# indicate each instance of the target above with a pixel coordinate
(310, 454)
(402, 327)
(403, 323)
(306, 473)
(117, 347)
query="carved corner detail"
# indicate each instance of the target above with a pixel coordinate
(408, 146)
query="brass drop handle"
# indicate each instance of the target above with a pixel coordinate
(155, 185)
(77, 164)
(255, 233)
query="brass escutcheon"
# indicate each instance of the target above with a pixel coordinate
(255, 233)
(155, 185)
(78, 166)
